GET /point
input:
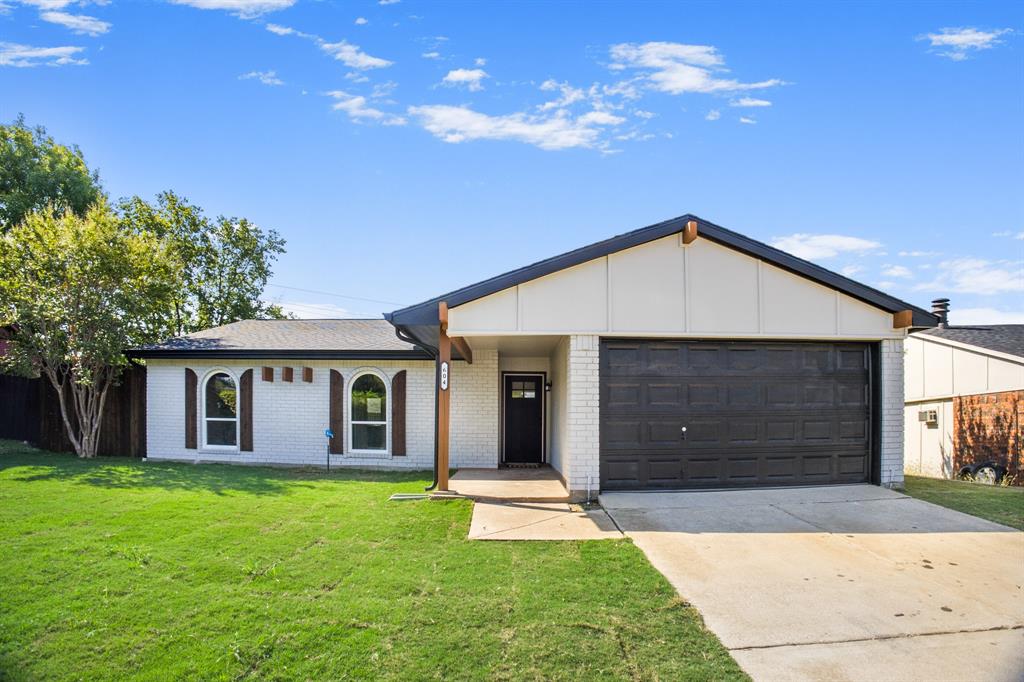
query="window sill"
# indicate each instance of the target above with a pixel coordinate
(368, 454)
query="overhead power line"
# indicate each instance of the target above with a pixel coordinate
(329, 293)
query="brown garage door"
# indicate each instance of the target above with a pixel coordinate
(756, 414)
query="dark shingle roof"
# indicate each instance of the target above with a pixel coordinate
(1002, 338)
(288, 338)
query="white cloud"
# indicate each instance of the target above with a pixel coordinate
(361, 21)
(981, 316)
(265, 77)
(77, 23)
(851, 270)
(676, 68)
(635, 135)
(25, 56)
(388, 2)
(284, 30)
(350, 55)
(749, 102)
(601, 118)
(918, 254)
(556, 131)
(957, 43)
(49, 4)
(359, 110)
(813, 246)
(480, 61)
(570, 95)
(431, 55)
(897, 271)
(243, 8)
(468, 77)
(640, 113)
(977, 276)
(747, 120)
(357, 77)
(1010, 234)
(713, 115)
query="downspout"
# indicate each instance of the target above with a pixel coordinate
(405, 336)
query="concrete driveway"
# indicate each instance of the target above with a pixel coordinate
(840, 583)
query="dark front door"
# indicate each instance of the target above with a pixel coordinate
(524, 418)
(754, 413)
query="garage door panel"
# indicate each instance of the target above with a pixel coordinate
(765, 413)
(623, 395)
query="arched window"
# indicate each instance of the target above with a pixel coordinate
(369, 413)
(220, 411)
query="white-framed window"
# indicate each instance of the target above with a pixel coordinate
(220, 410)
(368, 413)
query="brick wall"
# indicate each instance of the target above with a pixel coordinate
(582, 416)
(989, 427)
(891, 413)
(288, 418)
(475, 417)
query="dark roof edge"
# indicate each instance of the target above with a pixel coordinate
(425, 313)
(247, 354)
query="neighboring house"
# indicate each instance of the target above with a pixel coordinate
(680, 355)
(964, 397)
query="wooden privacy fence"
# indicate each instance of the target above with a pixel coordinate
(29, 410)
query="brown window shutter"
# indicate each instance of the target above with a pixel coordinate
(245, 411)
(398, 415)
(191, 411)
(268, 373)
(307, 374)
(287, 374)
(337, 424)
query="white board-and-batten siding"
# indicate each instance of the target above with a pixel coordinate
(663, 288)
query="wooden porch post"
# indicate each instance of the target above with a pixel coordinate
(444, 361)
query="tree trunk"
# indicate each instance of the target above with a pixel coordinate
(87, 403)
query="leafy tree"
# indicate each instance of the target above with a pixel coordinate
(36, 172)
(224, 263)
(78, 291)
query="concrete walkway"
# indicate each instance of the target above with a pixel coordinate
(539, 521)
(519, 485)
(840, 583)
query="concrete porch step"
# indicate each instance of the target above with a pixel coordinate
(509, 485)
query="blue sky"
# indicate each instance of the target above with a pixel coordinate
(407, 148)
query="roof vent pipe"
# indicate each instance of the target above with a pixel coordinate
(940, 308)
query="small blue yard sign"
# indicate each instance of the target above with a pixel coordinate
(329, 433)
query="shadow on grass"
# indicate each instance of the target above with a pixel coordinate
(220, 479)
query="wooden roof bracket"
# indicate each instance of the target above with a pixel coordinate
(689, 233)
(903, 319)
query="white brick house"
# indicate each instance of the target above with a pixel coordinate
(680, 355)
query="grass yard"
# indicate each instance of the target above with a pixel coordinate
(992, 502)
(117, 568)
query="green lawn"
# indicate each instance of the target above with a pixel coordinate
(116, 568)
(992, 502)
